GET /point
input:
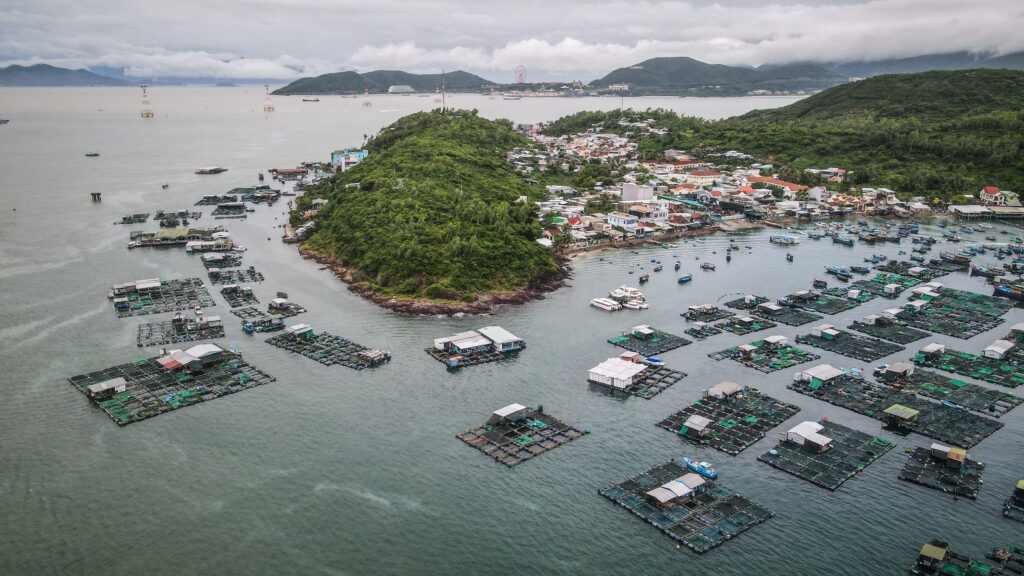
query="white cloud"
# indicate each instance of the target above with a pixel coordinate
(289, 38)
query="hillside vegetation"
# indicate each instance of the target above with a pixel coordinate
(682, 75)
(432, 212)
(379, 81)
(934, 133)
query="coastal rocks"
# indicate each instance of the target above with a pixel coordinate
(545, 282)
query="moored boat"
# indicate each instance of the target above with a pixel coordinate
(685, 278)
(707, 266)
(702, 468)
(211, 170)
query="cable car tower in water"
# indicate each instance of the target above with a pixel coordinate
(147, 108)
(267, 106)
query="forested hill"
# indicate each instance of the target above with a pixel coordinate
(379, 81)
(46, 75)
(933, 133)
(433, 212)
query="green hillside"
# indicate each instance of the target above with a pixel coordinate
(46, 75)
(379, 81)
(933, 133)
(432, 212)
(686, 75)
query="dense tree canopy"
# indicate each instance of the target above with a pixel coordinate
(433, 211)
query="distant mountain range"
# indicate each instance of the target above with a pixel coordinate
(46, 75)
(665, 76)
(379, 81)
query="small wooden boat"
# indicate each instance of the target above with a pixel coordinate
(789, 257)
(644, 278)
(819, 283)
(685, 278)
(707, 266)
(678, 265)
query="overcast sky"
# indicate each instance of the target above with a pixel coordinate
(553, 39)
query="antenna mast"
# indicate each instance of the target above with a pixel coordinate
(443, 94)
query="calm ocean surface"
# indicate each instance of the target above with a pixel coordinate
(334, 471)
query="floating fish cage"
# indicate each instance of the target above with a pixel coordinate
(649, 342)
(958, 314)
(169, 296)
(912, 269)
(1013, 507)
(893, 331)
(765, 356)
(850, 294)
(330, 350)
(848, 452)
(992, 370)
(511, 441)
(933, 419)
(827, 303)
(955, 392)
(222, 276)
(787, 315)
(936, 559)
(937, 471)
(652, 381)
(253, 313)
(850, 345)
(742, 327)
(746, 302)
(216, 200)
(886, 285)
(223, 260)
(453, 360)
(151, 390)
(701, 330)
(178, 331)
(134, 219)
(730, 424)
(236, 296)
(700, 520)
(706, 315)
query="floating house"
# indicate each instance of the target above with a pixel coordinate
(617, 373)
(901, 416)
(678, 490)
(510, 413)
(107, 388)
(300, 332)
(822, 374)
(475, 346)
(998, 349)
(724, 390)
(808, 434)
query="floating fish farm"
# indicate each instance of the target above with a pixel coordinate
(944, 468)
(701, 518)
(134, 219)
(705, 313)
(327, 349)
(252, 313)
(156, 296)
(900, 410)
(959, 314)
(889, 329)
(746, 302)
(139, 390)
(648, 341)
(845, 453)
(179, 329)
(730, 422)
(701, 330)
(515, 434)
(222, 276)
(951, 391)
(635, 377)
(912, 269)
(221, 260)
(768, 355)
(238, 295)
(1013, 507)
(822, 303)
(788, 315)
(216, 200)
(743, 325)
(886, 285)
(936, 559)
(993, 370)
(848, 344)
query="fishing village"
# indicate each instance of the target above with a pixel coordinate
(676, 222)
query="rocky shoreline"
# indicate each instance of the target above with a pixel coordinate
(485, 303)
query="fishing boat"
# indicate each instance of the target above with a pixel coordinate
(644, 278)
(844, 276)
(1007, 290)
(211, 170)
(728, 258)
(678, 265)
(958, 258)
(819, 283)
(92, 154)
(836, 270)
(707, 266)
(987, 272)
(702, 468)
(844, 241)
(685, 278)
(310, 99)
(199, 311)
(605, 304)
(658, 268)
(859, 269)
(165, 186)
(789, 257)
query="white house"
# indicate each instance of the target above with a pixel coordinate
(616, 373)
(808, 434)
(623, 220)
